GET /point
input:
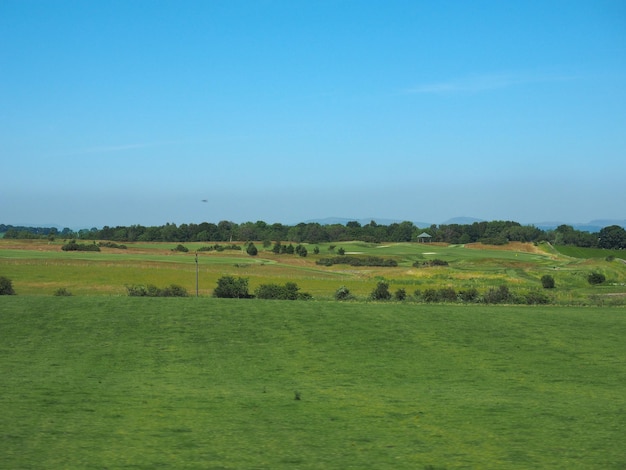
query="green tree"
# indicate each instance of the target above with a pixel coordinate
(612, 237)
(547, 281)
(231, 287)
(252, 250)
(596, 278)
(6, 286)
(381, 292)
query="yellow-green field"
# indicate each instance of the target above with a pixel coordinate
(39, 267)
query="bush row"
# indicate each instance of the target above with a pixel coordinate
(357, 261)
(151, 290)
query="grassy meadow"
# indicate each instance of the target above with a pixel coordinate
(103, 380)
(39, 267)
(120, 382)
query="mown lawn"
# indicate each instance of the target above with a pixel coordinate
(118, 382)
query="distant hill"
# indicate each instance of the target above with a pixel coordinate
(462, 221)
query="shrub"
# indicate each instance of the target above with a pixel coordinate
(181, 248)
(6, 286)
(73, 246)
(112, 245)
(400, 295)
(381, 292)
(62, 292)
(547, 281)
(289, 291)
(469, 295)
(150, 290)
(174, 290)
(447, 294)
(430, 263)
(230, 287)
(596, 278)
(497, 295)
(252, 250)
(343, 293)
(430, 295)
(536, 297)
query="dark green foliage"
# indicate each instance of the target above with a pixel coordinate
(596, 278)
(343, 293)
(341, 251)
(430, 295)
(62, 292)
(301, 251)
(218, 247)
(498, 295)
(230, 287)
(174, 290)
(399, 295)
(150, 290)
(6, 286)
(112, 245)
(251, 249)
(547, 281)
(536, 297)
(358, 261)
(288, 291)
(73, 246)
(469, 295)
(430, 263)
(612, 237)
(381, 292)
(181, 248)
(444, 294)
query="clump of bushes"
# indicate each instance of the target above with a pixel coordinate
(150, 290)
(218, 247)
(358, 261)
(288, 291)
(73, 246)
(430, 263)
(62, 292)
(596, 278)
(343, 293)
(6, 286)
(230, 287)
(181, 248)
(498, 295)
(112, 245)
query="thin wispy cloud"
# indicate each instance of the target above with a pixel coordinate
(115, 148)
(485, 82)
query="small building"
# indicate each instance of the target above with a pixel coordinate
(423, 237)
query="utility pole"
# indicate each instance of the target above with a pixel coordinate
(197, 293)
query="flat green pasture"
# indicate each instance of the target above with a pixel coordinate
(145, 383)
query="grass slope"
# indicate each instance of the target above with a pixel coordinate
(102, 382)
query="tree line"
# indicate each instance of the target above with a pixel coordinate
(495, 232)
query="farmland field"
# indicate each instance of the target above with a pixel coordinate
(120, 382)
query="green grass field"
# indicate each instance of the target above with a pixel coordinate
(38, 267)
(118, 382)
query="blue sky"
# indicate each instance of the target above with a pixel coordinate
(134, 112)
